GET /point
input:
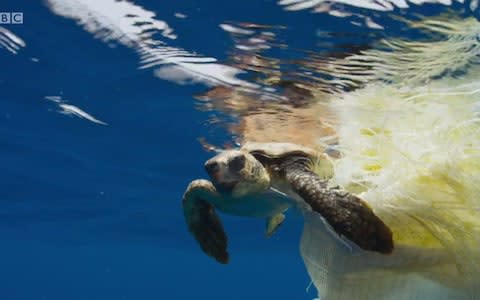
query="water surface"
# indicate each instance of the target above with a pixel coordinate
(108, 108)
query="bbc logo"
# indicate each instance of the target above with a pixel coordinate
(11, 18)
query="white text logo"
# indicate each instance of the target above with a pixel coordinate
(11, 18)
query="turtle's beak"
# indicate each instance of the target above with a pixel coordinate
(212, 168)
(220, 176)
(215, 171)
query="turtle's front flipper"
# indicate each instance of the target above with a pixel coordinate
(348, 215)
(273, 223)
(202, 220)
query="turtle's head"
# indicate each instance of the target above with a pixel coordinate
(237, 174)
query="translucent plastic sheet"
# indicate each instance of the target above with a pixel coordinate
(418, 164)
(339, 273)
(413, 152)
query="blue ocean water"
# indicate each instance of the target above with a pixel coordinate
(90, 205)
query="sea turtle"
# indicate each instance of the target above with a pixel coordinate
(264, 180)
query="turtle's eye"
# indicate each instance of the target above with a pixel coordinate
(237, 163)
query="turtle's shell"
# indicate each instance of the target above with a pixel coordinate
(321, 164)
(275, 150)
